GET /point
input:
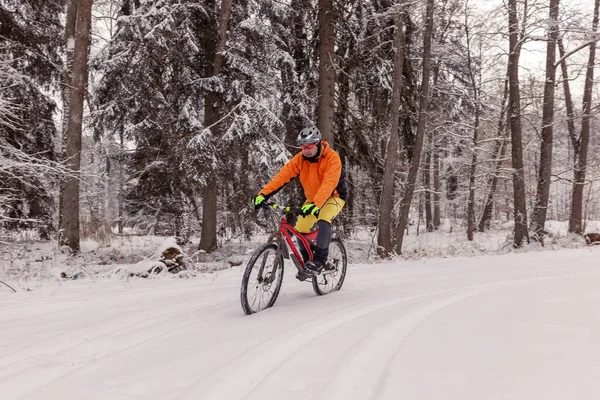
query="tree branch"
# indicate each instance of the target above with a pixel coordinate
(576, 49)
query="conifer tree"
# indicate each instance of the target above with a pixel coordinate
(30, 66)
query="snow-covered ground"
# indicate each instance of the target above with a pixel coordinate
(511, 326)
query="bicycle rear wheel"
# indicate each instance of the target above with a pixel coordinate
(261, 282)
(332, 277)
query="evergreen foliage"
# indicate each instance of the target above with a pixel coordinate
(30, 67)
(155, 78)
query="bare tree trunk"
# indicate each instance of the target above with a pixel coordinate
(223, 23)
(384, 239)
(499, 151)
(293, 121)
(576, 220)
(420, 213)
(475, 87)
(421, 125)
(471, 201)
(568, 101)
(208, 241)
(520, 215)
(325, 108)
(342, 111)
(69, 38)
(127, 8)
(121, 183)
(433, 110)
(427, 186)
(70, 204)
(437, 187)
(540, 210)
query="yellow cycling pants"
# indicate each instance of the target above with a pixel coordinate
(328, 212)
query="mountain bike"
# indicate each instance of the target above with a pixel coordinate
(263, 275)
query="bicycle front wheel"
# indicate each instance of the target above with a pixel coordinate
(332, 277)
(262, 279)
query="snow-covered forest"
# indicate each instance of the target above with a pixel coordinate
(128, 118)
(134, 135)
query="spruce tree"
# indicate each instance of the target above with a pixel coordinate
(30, 66)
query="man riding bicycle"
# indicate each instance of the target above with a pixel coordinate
(321, 175)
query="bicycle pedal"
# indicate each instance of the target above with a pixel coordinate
(302, 276)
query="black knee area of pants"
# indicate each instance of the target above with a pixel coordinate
(303, 251)
(324, 235)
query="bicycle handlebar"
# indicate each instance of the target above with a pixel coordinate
(285, 209)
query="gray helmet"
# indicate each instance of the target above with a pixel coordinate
(309, 136)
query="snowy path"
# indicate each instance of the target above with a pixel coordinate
(500, 327)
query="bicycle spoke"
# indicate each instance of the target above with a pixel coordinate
(262, 279)
(334, 273)
(254, 302)
(257, 297)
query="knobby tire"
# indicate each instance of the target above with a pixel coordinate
(331, 280)
(266, 253)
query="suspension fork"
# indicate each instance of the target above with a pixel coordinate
(281, 250)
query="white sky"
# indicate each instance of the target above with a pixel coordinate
(517, 326)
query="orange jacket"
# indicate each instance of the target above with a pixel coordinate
(320, 179)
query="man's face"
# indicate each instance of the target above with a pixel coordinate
(309, 150)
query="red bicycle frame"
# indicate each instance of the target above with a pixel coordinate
(285, 232)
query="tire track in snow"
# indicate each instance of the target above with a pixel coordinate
(134, 317)
(278, 351)
(384, 342)
(50, 329)
(143, 337)
(243, 376)
(42, 306)
(115, 348)
(350, 381)
(107, 331)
